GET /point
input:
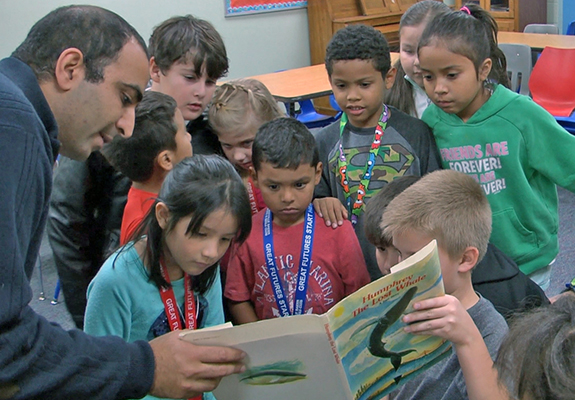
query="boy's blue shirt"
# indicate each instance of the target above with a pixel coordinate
(407, 148)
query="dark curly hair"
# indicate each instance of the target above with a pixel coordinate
(359, 42)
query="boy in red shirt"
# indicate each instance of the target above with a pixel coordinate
(159, 142)
(290, 264)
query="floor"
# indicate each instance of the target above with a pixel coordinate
(563, 270)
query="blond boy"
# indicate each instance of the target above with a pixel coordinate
(452, 208)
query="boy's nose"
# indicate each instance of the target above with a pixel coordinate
(287, 196)
(353, 94)
(200, 88)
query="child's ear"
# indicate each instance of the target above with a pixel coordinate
(485, 69)
(70, 69)
(390, 78)
(154, 70)
(468, 260)
(165, 160)
(318, 171)
(162, 214)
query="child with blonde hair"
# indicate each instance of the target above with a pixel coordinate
(450, 207)
(238, 109)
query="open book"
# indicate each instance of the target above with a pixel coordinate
(357, 350)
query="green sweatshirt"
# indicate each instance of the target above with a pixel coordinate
(518, 153)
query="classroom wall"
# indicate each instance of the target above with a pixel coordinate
(256, 44)
(553, 12)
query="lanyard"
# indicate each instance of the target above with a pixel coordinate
(342, 164)
(171, 305)
(304, 264)
(253, 203)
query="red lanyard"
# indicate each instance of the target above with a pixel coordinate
(356, 209)
(171, 305)
(252, 196)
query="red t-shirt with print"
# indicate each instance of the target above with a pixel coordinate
(337, 267)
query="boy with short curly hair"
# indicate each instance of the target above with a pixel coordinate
(373, 143)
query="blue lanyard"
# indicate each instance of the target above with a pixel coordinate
(304, 264)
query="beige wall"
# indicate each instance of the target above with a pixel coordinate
(256, 44)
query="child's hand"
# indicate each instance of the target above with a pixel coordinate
(331, 210)
(442, 316)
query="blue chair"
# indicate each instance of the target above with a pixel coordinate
(571, 28)
(568, 123)
(311, 118)
(333, 103)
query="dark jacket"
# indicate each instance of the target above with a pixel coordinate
(500, 281)
(86, 208)
(204, 140)
(40, 360)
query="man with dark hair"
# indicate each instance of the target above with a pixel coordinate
(76, 79)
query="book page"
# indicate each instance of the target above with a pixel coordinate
(288, 358)
(376, 354)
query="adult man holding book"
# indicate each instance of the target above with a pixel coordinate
(74, 82)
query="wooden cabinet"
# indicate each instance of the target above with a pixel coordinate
(512, 15)
(325, 17)
(504, 11)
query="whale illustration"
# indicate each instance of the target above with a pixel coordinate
(272, 377)
(375, 344)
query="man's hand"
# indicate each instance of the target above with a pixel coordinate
(331, 210)
(184, 370)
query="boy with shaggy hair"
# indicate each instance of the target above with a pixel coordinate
(291, 263)
(187, 57)
(452, 208)
(373, 143)
(159, 142)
